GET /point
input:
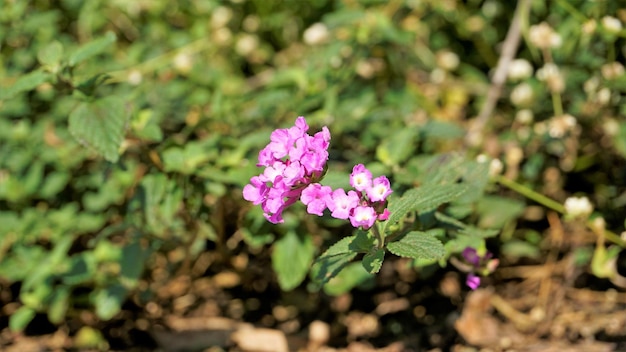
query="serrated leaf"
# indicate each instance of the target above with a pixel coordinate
(417, 245)
(424, 198)
(333, 260)
(25, 83)
(373, 261)
(92, 48)
(363, 242)
(100, 125)
(291, 259)
(20, 318)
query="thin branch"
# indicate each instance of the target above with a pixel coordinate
(509, 48)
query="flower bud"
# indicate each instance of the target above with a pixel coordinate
(559, 126)
(134, 77)
(612, 70)
(519, 69)
(550, 74)
(524, 116)
(543, 36)
(522, 95)
(246, 44)
(578, 206)
(221, 16)
(611, 24)
(589, 27)
(316, 34)
(604, 96)
(447, 60)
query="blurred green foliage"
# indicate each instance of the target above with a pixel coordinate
(128, 128)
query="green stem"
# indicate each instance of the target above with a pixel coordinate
(529, 193)
(379, 237)
(558, 207)
(557, 104)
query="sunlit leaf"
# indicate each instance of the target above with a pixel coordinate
(417, 245)
(100, 125)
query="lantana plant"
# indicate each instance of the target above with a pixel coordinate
(295, 163)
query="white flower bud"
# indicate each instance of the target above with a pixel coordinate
(578, 206)
(559, 126)
(543, 36)
(611, 127)
(221, 16)
(246, 44)
(447, 60)
(589, 27)
(134, 77)
(612, 70)
(495, 167)
(183, 62)
(604, 96)
(522, 94)
(316, 34)
(611, 24)
(550, 74)
(591, 85)
(524, 116)
(222, 36)
(519, 69)
(438, 76)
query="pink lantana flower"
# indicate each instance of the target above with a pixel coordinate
(342, 204)
(315, 197)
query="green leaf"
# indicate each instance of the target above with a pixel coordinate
(424, 198)
(20, 318)
(58, 304)
(100, 125)
(80, 269)
(353, 275)
(50, 54)
(131, 264)
(417, 245)
(333, 260)
(291, 259)
(91, 49)
(373, 261)
(398, 148)
(25, 83)
(109, 301)
(496, 211)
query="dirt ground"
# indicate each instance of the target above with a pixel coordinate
(218, 303)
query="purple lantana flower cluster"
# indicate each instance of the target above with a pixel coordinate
(294, 164)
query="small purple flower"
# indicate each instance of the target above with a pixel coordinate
(471, 256)
(481, 264)
(472, 281)
(315, 197)
(341, 204)
(363, 217)
(380, 189)
(361, 178)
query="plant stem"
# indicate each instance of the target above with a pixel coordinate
(558, 207)
(379, 237)
(557, 105)
(529, 193)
